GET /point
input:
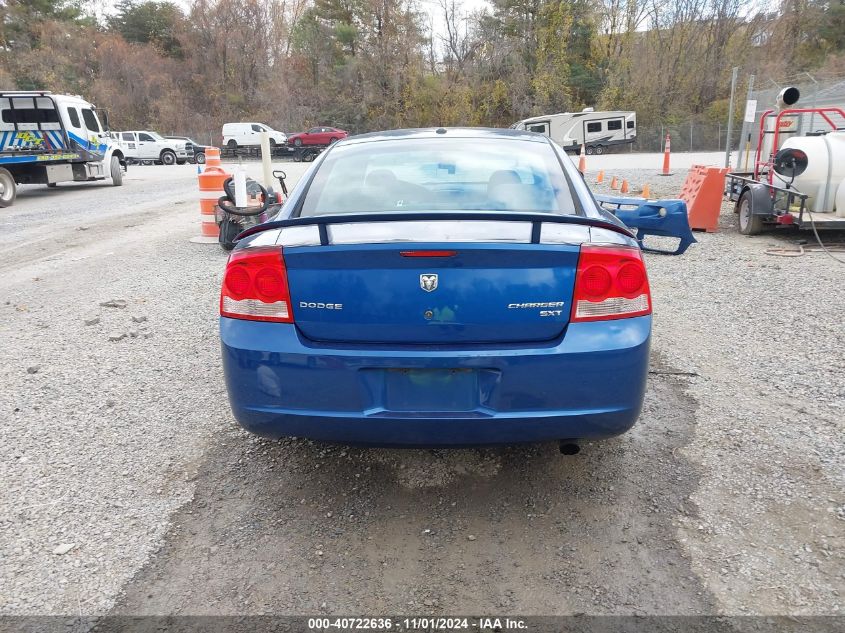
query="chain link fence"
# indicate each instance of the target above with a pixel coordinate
(700, 135)
(690, 136)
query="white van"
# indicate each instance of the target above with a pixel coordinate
(237, 135)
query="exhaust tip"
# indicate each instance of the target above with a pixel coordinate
(569, 448)
(787, 97)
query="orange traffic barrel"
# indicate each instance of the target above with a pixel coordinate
(211, 188)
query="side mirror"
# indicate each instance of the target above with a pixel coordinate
(790, 162)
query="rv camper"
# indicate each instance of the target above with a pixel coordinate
(596, 130)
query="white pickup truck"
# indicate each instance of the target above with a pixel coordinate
(144, 146)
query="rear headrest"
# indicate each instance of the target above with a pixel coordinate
(503, 177)
(380, 178)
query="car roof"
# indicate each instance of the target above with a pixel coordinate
(451, 132)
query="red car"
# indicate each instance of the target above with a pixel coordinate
(317, 136)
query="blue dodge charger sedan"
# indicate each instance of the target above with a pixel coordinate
(442, 287)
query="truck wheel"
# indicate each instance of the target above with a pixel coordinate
(749, 224)
(599, 150)
(200, 158)
(589, 150)
(167, 157)
(8, 189)
(232, 145)
(116, 171)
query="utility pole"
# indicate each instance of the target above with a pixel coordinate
(815, 99)
(745, 124)
(731, 117)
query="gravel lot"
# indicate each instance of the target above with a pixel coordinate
(127, 484)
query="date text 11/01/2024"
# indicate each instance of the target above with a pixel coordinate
(416, 624)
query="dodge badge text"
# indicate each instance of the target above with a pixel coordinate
(321, 306)
(543, 313)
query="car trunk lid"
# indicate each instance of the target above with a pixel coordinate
(425, 293)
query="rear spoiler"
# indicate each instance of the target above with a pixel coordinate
(536, 219)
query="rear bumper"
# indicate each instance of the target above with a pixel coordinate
(590, 384)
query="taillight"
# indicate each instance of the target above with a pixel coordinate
(611, 283)
(255, 286)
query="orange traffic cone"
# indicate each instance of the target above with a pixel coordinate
(666, 152)
(646, 191)
(600, 177)
(624, 188)
(582, 160)
(614, 183)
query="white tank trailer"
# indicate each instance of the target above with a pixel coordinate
(823, 180)
(794, 173)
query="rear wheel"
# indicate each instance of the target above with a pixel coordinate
(297, 142)
(116, 171)
(599, 150)
(590, 150)
(749, 224)
(167, 157)
(8, 189)
(232, 145)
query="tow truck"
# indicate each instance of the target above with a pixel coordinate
(48, 138)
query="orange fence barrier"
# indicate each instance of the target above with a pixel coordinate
(702, 192)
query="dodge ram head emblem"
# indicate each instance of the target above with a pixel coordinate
(428, 282)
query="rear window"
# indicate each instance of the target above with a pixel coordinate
(456, 174)
(29, 110)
